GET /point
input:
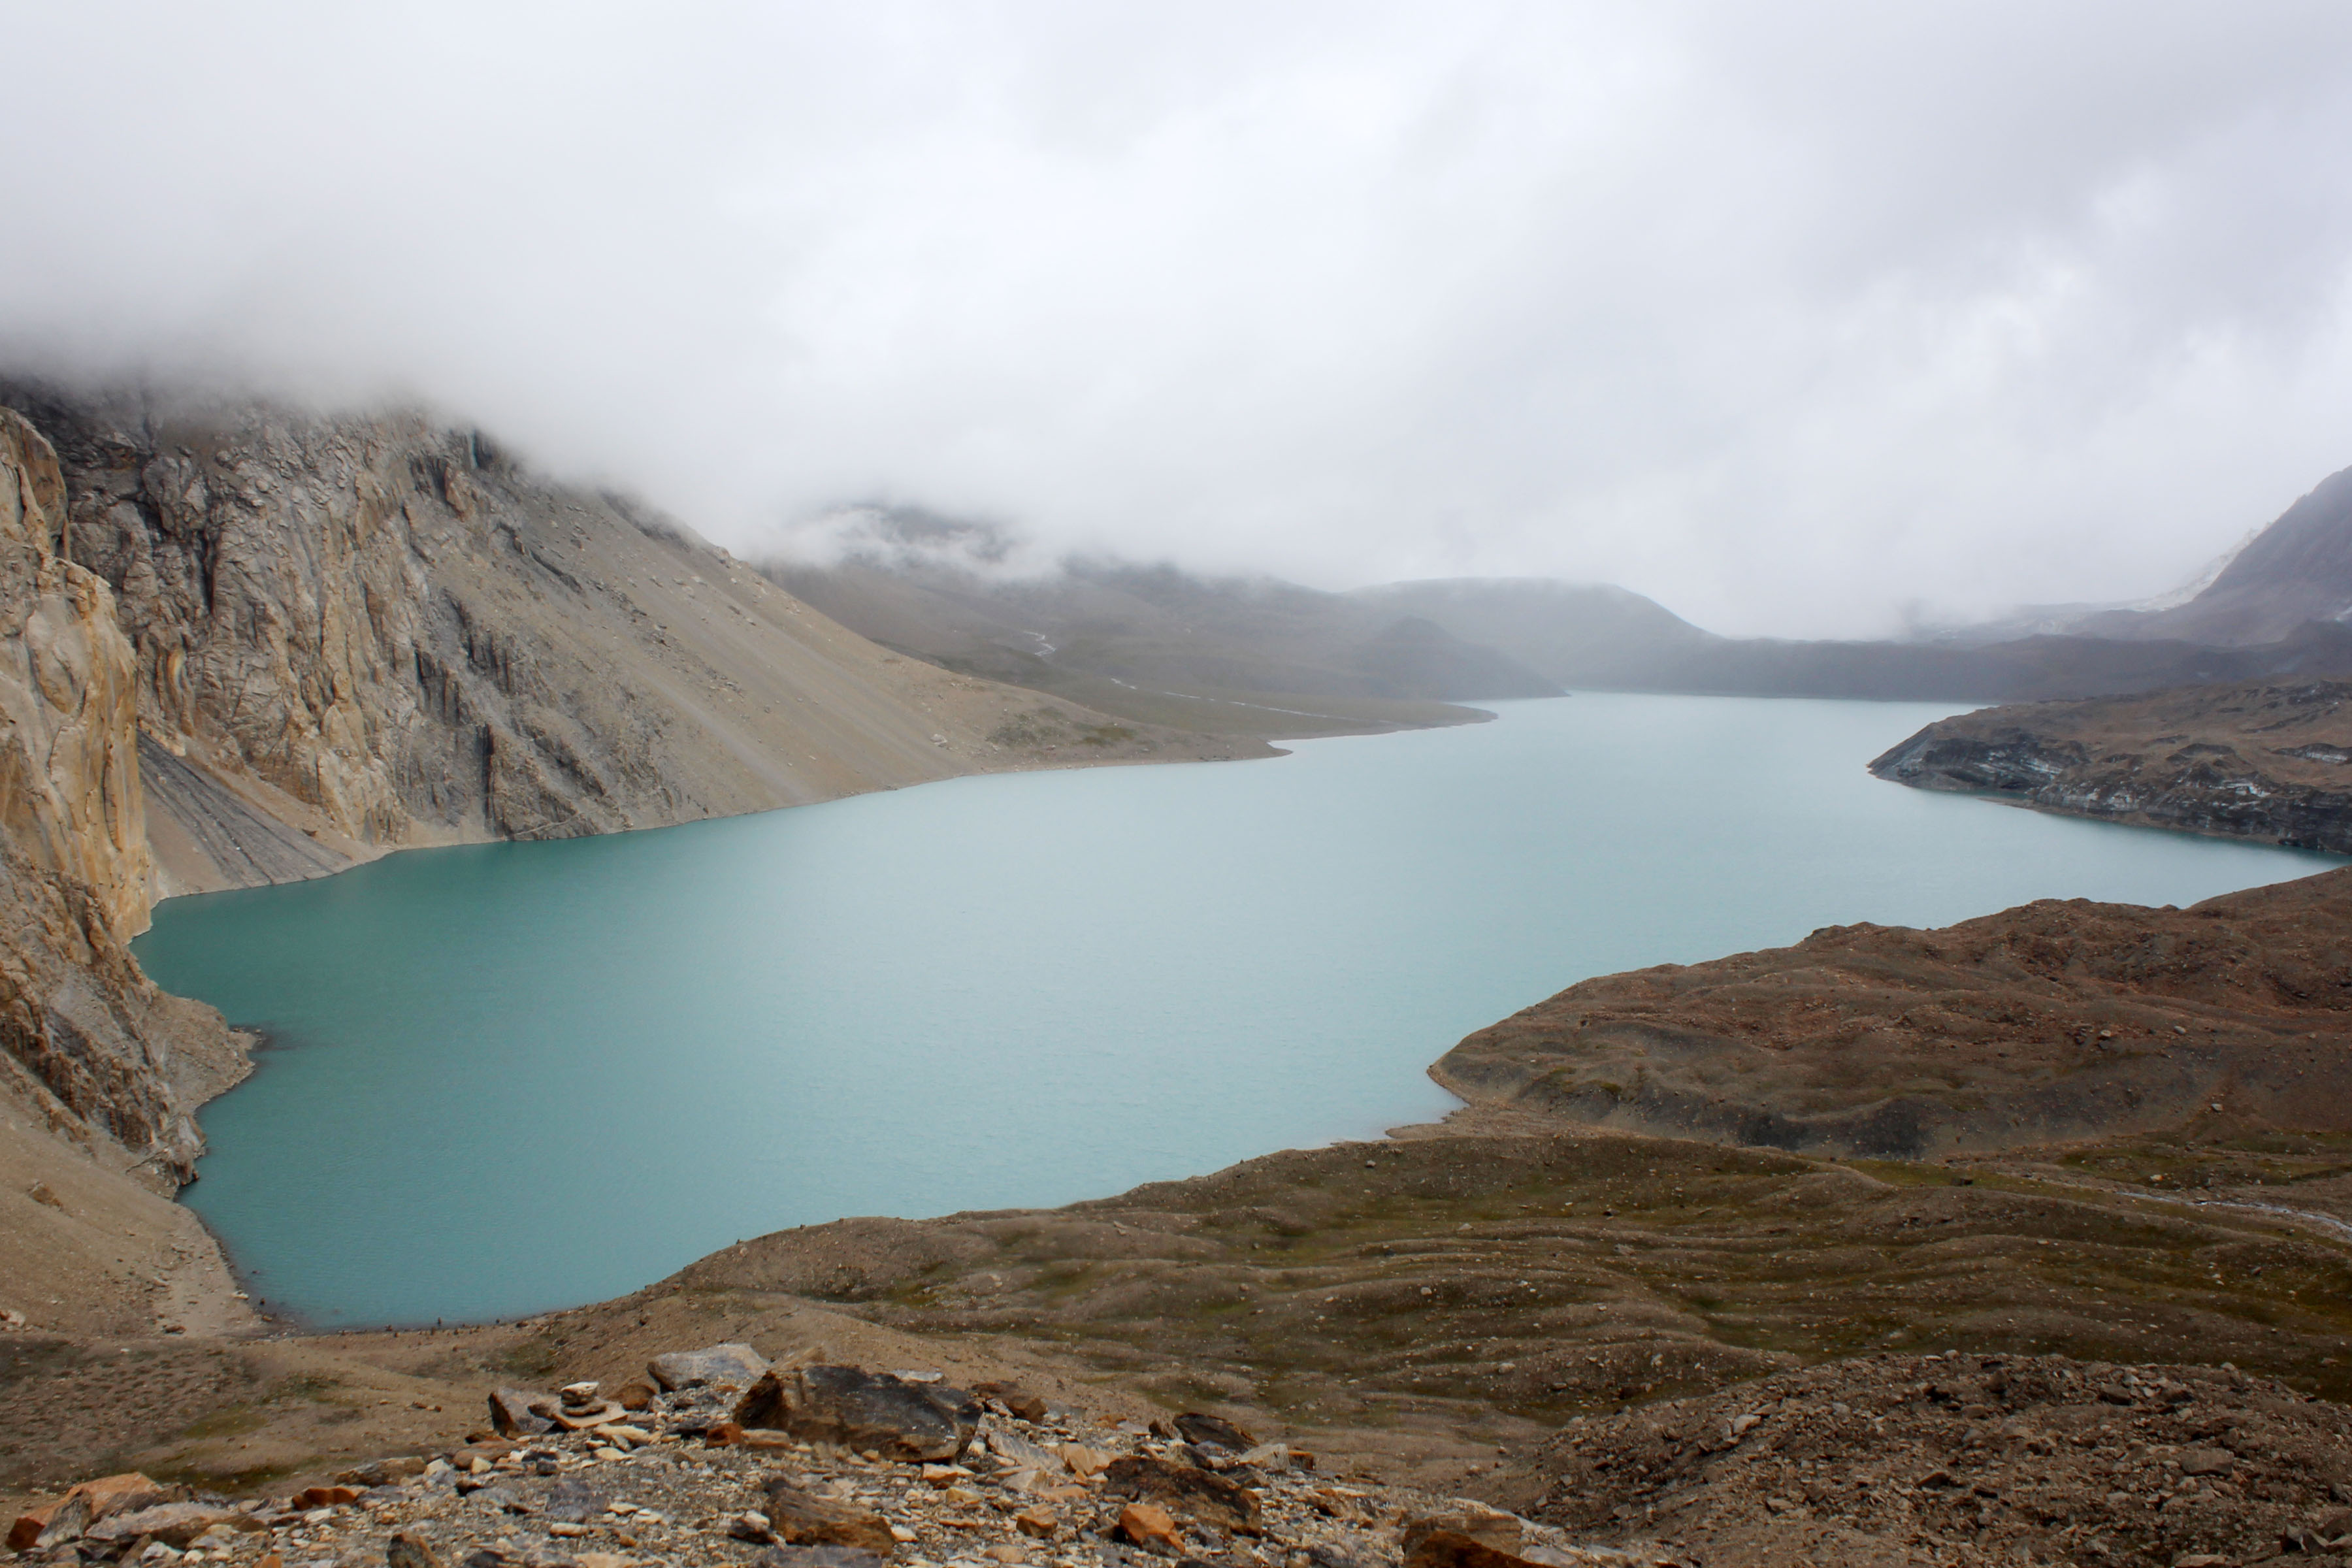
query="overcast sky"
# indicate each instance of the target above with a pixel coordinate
(1789, 315)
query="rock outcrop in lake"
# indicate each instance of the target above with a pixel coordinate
(2266, 760)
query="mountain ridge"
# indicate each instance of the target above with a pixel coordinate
(1099, 629)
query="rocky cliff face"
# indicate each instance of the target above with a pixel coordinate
(358, 633)
(89, 1040)
(2268, 761)
(341, 627)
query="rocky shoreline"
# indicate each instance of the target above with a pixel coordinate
(2265, 761)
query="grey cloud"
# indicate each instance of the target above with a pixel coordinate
(1787, 315)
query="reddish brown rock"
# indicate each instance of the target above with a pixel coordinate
(1451, 1549)
(1151, 1528)
(862, 1410)
(800, 1518)
(1016, 1400)
(1197, 1494)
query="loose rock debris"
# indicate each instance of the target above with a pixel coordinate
(1952, 1461)
(575, 1479)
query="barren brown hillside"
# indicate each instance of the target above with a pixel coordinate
(2058, 1020)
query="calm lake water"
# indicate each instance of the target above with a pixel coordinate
(516, 1077)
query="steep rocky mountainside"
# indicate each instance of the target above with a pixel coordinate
(87, 1043)
(363, 632)
(2052, 1021)
(2297, 570)
(2263, 760)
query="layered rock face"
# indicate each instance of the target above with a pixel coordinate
(89, 1040)
(340, 629)
(357, 633)
(2267, 760)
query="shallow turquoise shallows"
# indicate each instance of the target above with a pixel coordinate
(515, 1077)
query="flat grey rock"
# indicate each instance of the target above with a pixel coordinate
(738, 1364)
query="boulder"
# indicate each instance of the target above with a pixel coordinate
(1492, 1527)
(384, 1473)
(635, 1396)
(63, 1524)
(1084, 1462)
(325, 1497)
(582, 1417)
(862, 1410)
(1214, 1432)
(1277, 1459)
(575, 1502)
(802, 1519)
(175, 1524)
(1015, 1449)
(1200, 1494)
(90, 1502)
(736, 1365)
(511, 1413)
(110, 1495)
(1016, 1400)
(1451, 1549)
(1470, 1535)
(1151, 1528)
(410, 1550)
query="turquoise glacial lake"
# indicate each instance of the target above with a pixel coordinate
(516, 1077)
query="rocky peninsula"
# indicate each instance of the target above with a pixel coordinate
(2262, 759)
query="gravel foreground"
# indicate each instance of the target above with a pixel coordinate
(671, 1479)
(1954, 1459)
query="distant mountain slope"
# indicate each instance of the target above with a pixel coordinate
(2297, 570)
(1576, 632)
(1599, 636)
(2291, 572)
(1157, 642)
(1250, 654)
